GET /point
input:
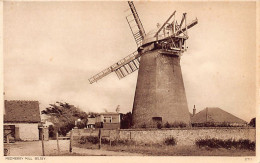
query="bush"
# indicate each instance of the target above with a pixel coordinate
(126, 120)
(51, 131)
(104, 141)
(143, 125)
(63, 130)
(178, 125)
(167, 125)
(121, 142)
(252, 122)
(212, 124)
(228, 144)
(170, 141)
(159, 125)
(90, 139)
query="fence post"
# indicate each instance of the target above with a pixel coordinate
(99, 135)
(42, 137)
(7, 139)
(109, 138)
(71, 137)
(57, 137)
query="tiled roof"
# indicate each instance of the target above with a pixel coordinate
(91, 121)
(216, 115)
(22, 111)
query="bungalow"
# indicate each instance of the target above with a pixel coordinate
(21, 120)
(108, 120)
(91, 122)
(214, 116)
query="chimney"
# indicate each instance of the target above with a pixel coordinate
(194, 111)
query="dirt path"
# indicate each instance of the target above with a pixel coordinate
(34, 148)
(101, 152)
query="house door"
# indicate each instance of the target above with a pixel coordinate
(9, 131)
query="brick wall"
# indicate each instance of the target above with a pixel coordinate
(160, 91)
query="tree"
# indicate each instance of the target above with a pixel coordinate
(118, 108)
(252, 122)
(93, 114)
(126, 120)
(64, 115)
(51, 131)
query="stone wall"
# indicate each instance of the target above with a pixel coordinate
(183, 136)
(187, 136)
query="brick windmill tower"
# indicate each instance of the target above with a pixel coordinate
(160, 94)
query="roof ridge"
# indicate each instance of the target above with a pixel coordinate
(23, 100)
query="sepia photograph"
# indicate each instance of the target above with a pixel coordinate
(129, 78)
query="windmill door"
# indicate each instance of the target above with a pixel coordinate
(157, 120)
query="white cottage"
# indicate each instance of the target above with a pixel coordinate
(21, 120)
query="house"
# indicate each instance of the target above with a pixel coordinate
(214, 116)
(91, 122)
(108, 120)
(21, 120)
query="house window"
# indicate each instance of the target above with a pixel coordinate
(107, 119)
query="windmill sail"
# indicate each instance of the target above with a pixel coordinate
(194, 22)
(122, 68)
(135, 24)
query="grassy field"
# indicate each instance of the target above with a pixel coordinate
(164, 150)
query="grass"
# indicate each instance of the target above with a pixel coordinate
(170, 141)
(170, 150)
(202, 147)
(228, 144)
(164, 150)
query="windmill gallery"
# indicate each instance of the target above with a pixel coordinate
(160, 94)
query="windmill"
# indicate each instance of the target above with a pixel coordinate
(160, 94)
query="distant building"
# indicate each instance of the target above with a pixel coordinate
(91, 122)
(108, 120)
(21, 120)
(215, 116)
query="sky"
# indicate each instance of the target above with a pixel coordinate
(51, 49)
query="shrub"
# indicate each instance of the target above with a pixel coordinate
(104, 141)
(143, 125)
(212, 124)
(159, 125)
(126, 120)
(90, 139)
(167, 125)
(170, 141)
(95, 140)
(121, 142)
(82, 140)
(51, 131)
(228, 144)
(252, 122)
(178, 125)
